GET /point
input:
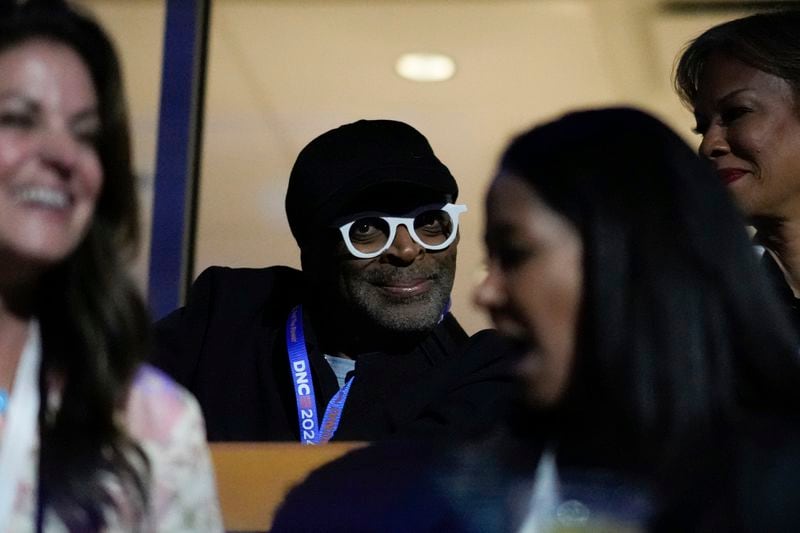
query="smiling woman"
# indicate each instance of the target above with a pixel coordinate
(49, 170)
(90, 438)
(742, 80)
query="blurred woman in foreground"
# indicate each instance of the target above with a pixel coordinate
(90, 439)
(652, 342)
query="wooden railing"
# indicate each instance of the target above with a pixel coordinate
(253, 478)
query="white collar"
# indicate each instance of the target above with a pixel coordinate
(545, 496)
(19, 435)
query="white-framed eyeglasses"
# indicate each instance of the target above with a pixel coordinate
(368, 235)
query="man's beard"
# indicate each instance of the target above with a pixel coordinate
(400, 314)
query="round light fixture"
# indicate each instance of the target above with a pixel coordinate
(425, 67)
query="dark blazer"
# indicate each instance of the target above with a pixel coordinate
(482, 486)
(425, 487)
(227, 346)
(782, 289)
(749, 484)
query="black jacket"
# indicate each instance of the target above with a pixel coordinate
(227, 346)
(782, 289)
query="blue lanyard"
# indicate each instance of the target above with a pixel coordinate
(310, 432)
(445, 311)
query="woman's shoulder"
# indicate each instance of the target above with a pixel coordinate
(165, 420)
(158, 408)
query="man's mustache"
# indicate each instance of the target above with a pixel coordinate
(393, 274)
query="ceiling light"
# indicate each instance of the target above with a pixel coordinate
(425, 67)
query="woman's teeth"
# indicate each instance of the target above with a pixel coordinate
(43, 196)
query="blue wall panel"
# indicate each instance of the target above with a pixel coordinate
(177, 161)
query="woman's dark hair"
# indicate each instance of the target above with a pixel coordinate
(94, 324)
(766, 41)
(679, 334)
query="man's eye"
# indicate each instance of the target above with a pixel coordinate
(363, 227)
(366, 229)
(433, 223)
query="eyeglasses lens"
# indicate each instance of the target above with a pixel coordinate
(368, 235)
(433, 227)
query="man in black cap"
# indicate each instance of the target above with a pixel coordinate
(360, 344)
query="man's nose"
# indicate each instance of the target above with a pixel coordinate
(404, 248)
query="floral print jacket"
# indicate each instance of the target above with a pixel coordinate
(166, 422)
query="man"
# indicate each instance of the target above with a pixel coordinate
(360, 344)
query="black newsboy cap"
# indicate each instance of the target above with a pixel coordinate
(344, 162)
